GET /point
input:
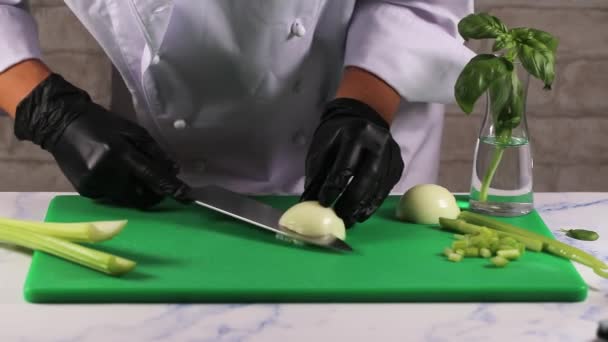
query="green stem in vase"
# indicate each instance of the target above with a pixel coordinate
(499, 149)
(490, 172)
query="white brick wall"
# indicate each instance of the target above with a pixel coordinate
(567, 124)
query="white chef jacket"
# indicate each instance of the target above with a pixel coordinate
(234, 89)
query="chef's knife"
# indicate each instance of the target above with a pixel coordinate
(257, 213)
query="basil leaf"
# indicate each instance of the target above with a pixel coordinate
(507, 99)
(522, 33)
(538, 60)
(481, 25)
(504, 41)
(512, 115)
(536, 50)
(500, 94)
(477, 76)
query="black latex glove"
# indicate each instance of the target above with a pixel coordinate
(104, 156)
(352, 140)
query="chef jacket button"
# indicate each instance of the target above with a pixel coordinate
(155, 60)
(298, 29)
(179, 124)
(299, 138)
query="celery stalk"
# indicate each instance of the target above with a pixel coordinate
(600, 272)
(97, 260)
(481, 220)
(94, 231)
(459, 226)
(548, 244)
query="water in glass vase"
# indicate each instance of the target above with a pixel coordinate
(506, 171)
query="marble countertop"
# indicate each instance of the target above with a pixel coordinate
(22, 321)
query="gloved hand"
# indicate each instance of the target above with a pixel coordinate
(352, 140)
(104, 156)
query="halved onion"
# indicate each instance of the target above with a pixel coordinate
(312, 219)
(426, 203)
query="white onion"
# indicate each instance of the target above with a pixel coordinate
(426, 203)
(312, 219)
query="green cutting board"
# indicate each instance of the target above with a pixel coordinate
(191, 254)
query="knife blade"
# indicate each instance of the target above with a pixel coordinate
(258, 214)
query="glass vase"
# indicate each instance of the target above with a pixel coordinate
(502, 179)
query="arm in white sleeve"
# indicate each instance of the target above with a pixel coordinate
(18, 34)
(414, 46)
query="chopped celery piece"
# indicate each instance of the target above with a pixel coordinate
(485, 253)
(502, 247)
(531, 244)
(471, 252)
(485, 231)
(97, 260)
(460, 244)
(507, 240)
(521, 247)
(511, 254)
(499, 261)
(479, 241)
(494, 246)
(459, 251)
(548, 244)
(94, 231)
(447, 251)
(455, 257)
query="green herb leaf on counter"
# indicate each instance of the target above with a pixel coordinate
(581, 234)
